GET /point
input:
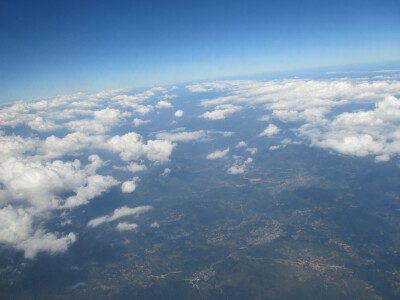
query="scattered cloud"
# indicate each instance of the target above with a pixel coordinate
(252, 150)
(221, 112)
(138, 122)
(129, 186)
(270, 130)
(155, 225)
(133, 167)
(241, 144)
(163, 104)
(182, 136)
(218, 154)
(178, 113)
(240, 166)
(127, 227)
(131, 147)
(166, 172)
(117, 214)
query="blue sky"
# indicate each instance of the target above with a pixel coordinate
(54, 47)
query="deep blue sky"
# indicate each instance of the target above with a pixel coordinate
(55, 47)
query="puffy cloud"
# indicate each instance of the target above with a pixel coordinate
(270, 130)
(129, 186)
(236, 169)
(119, 213)
(252, 150)
(54, 147)
(360, 133)
(155, 225)
(221, 112)
(166, 172)
(239, 166)
(133, 167)
(182, 136)
(131, 147)
(163, 104)
(39, 124)
(95, 186)
(33, 189)
(197, 88)
(138, 122)
(103, 121)
(16, 229)
(123, 226)
(47, 242)
(218, 154)
(16, 146)
(179, 113)
(41, 184)
(169, 96)
(241, 144)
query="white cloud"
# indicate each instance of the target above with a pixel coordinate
(163, 104)
(264, 118)
(123, 226)
(270, 130)
(236, 170)
(182, 136)
(169, 96)
(103, 120)
(47, 242)
(240, 166)
(166, 172)
(252, 150)
(32, 190)
(16, 229)
(221, 112)
(39, 124)
(133, 167)
(129, 186)
(155, 225)
(197, 88)
(131, 147)
(241, 144)
(95, 186)
(138, 122)
(119, 213)
(179, 113)
(218, 154)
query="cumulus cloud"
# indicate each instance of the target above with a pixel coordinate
(131, 147)
(163, 104)
(138, 122)
(240, 166)
(129, 186)
(179, 113)
(166, 172)
(155, 225)
(270, 130)
(47, 242)
(123, 226)
(16, 229)
(218, 154)
(241, 144)
(252, 150)
(32, 189)
(117, 214)
(40, 184)
(221, 112)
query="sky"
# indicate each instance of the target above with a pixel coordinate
(48, 48)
